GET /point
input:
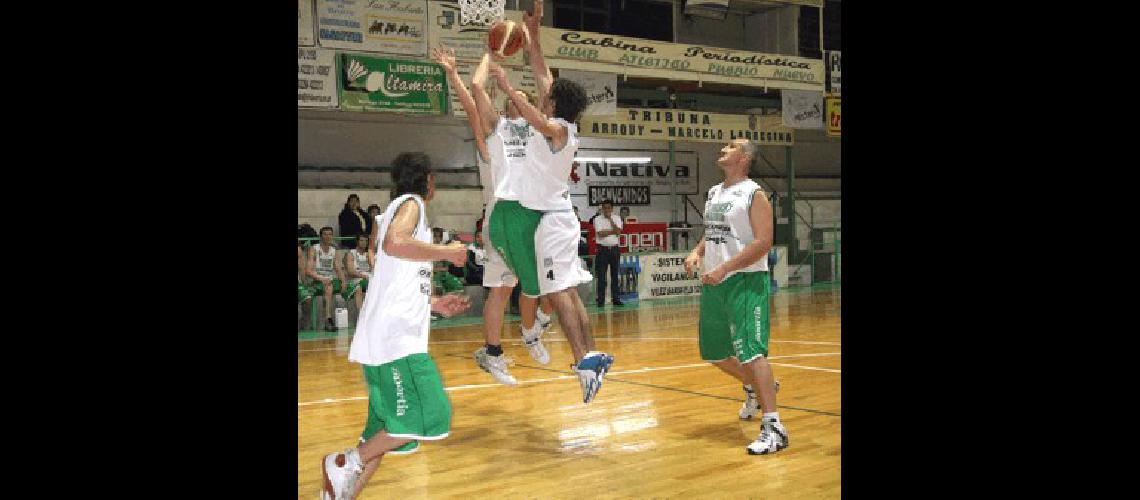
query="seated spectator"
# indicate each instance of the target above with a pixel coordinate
(327, 274)
(373, 211)
(303, 292)
(358, 271)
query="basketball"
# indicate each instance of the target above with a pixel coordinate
(506, 38)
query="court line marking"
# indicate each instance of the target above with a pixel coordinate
(519, 341)
(565, 377)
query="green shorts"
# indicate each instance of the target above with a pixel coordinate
(319, 286)
(406, 399)
(447, 281)
(303, 293)
(734, 318)
(361, 283)
(512, 229)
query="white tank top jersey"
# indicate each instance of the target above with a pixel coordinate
(325, 266)
(396, 316)
(361, 259)
(548, 171)
(508, 150)
(727, 226)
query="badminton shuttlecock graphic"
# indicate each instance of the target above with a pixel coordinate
(355, 70)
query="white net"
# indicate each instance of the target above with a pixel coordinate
(484, 12)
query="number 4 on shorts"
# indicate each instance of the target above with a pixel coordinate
(550, 275)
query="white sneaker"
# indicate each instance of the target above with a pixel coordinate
(773, 438)
(340, 472)
(535, 347)
(495, 365)
(751, 406)
(544, 321)
(592, 372)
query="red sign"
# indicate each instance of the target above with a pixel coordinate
(635, 237)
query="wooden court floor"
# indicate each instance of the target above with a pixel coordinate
(664, 425)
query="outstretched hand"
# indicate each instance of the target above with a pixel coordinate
(450, 305)
(444, 57)
(533, 21)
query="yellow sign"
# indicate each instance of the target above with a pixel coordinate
(833, 122)
(682, 125)
(605, 53)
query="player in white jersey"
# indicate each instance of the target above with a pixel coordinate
(406, 399)
(327, 273)
(358, 270)
(734, 321)
(541, 180)
(496, 275)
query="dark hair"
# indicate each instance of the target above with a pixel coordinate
(324, 228)
(410, 174)
(607, 202)
(569, 99)
(370, 207)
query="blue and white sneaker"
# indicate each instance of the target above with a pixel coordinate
(592, 372)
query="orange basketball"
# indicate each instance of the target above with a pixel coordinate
(506, 38)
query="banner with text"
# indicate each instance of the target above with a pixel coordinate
(521, 78)
(680, 125)
(305, 23)
(589, 51)
(373, 84)
(833, 123)
(802, 109)
(601, 90)
(833, 73)
(663, 275)
(591, 176)
(387, 26)
(469, 40)
(316, 78)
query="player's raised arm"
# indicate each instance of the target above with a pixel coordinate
(445, 57)
(542, 75)
(483, 102)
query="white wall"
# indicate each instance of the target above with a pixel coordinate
(455, 209)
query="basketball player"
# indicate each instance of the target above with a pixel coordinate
(327, 273)
(358, 271)
(734, 321)
(491, 130)
(541, 226)
(406, 399)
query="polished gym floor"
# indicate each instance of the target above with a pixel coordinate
(664, 425)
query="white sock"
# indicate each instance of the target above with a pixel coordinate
(532, 333)
(542, 317)
(773, 417)
(748, 388)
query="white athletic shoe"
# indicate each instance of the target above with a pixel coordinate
(773, 438)
(592, 372)
(751, 406)
(544, 321)
(495, 365)
(340, 471)
(536, 348)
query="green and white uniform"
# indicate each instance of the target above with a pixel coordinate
(734, 313)
(361, 259)
(511, 225)
(325, 268)
(548, 191)
(405, 393)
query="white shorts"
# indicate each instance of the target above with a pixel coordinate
(556, 250)
(495, 271)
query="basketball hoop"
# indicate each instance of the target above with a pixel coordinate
(485, 12)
